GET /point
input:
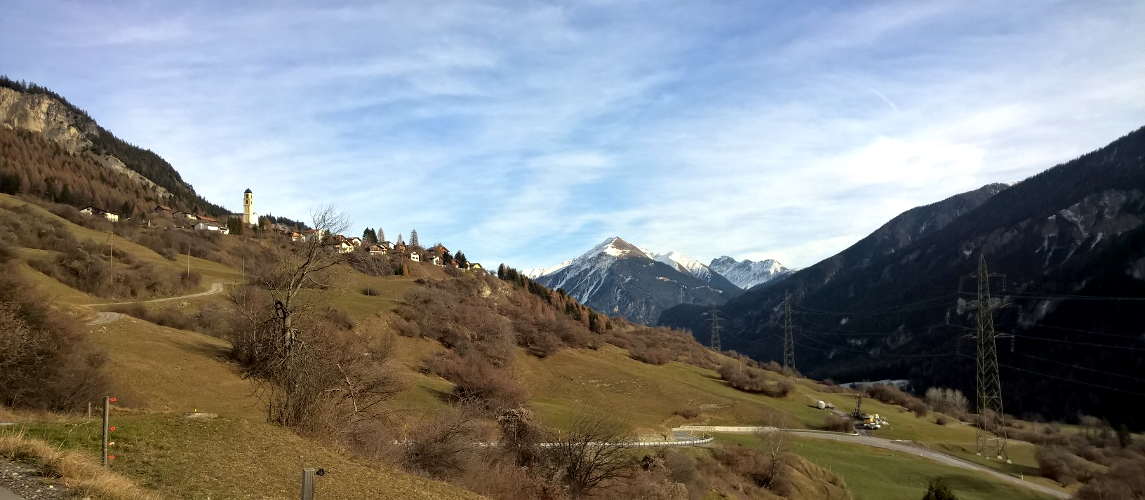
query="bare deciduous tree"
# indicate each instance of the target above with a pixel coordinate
(313, 368)
(591, 454)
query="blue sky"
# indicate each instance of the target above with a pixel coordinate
(527, 132)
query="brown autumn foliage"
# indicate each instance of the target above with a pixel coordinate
(754, 380)
(839, 424)
(46, 361)
(890, 394)
(49, 172)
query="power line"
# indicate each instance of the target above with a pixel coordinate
(1082, 367)
(1090, 344)
(898, 308)
(1074, 342)
(1043, 295)
(833, 346)
(1117, 335)
(1067, 379)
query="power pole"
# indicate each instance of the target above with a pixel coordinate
(788, 339)
(991, 432)
(715, 344)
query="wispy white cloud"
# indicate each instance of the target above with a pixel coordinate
(527, 133)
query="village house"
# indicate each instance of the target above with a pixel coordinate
(163, 209)
(203, 226)
(436, 260)
(90, 210)
(414, 256)
(376, 250)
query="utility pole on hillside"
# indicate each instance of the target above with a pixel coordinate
(788, 338)
(991, 432)
(715, 344)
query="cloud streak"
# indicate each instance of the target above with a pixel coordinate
(525, 133)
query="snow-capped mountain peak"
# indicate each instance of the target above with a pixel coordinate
(616, 247)
(747, 274)
(681, 263)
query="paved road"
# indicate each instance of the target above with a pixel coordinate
(6, 494)
(105, 317)
(900, 446)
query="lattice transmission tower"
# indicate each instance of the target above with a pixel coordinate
(788, 338)
(991, 432)
(715, 343)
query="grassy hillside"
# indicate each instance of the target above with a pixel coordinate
(890, 475)
(230, 452)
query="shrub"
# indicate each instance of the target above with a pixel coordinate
(45, 361)
(890, 394)
(477, 381)
(1057, 463)
(754, 380)
(948, 401)
(1125, 480)
(941, 419)
(442, 447)
(839, 424)
(651, 355)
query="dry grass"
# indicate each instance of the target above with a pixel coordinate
(79, 472)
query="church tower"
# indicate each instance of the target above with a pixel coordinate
(248, 208)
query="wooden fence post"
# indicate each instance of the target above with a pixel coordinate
(106, 414)
(308, 484)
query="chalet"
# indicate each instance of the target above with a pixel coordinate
(436, 260)
(184, 215)
(297, 236)
(376, 250)
(90, 210)
(211, 220)
(414, 256)
(438, 250)
(203, 226)
(476, 266)
(356, 241)
(163, 209)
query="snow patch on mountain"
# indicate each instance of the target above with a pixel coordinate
(681, 263)
(747, 274)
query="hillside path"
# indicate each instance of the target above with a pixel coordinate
(6, 494)
(105, 317)
(900, 446)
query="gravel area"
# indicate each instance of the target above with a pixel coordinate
(26, 482)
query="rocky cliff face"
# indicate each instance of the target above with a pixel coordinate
(48, 116)
(60, 123)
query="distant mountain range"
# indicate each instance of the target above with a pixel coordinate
(619, 278)
(748, 274)
(1068, 246)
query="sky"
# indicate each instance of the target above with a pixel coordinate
(528, 132)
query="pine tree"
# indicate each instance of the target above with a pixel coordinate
(400, 242)
(369, 237)
(381, 234)
(462, 262)
(938, 490)
(413, 238)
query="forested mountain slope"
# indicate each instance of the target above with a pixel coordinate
(1070, 243)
